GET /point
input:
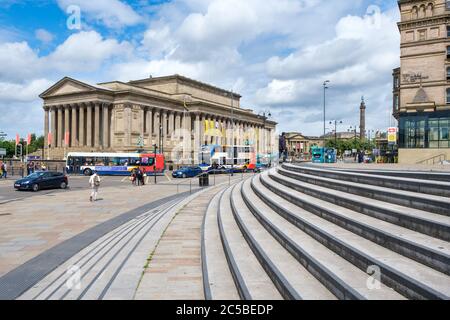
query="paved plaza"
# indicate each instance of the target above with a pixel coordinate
(34, 224)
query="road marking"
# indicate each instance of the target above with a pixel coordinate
(168, 178)
(123, 180)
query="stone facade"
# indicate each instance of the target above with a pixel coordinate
(175, 113)
(421, 93)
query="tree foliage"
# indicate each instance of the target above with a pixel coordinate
(10, 145)
(350, 144)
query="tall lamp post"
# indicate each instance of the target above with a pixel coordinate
(336, 122)
(325, 87)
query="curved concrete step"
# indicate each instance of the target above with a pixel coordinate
(338, 275)
(290, 277)
(217, 279)
(423, 175)
(426, 202)
(406, 276)
(408, 184)
(420, 247)
(251, 280)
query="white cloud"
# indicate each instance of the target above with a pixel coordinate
(112, 13)
(44, 36)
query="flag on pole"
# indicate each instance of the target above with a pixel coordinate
(29, 139)
(67, 138)
(49, 138)
(17, 139)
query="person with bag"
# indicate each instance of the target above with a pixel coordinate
(94, 181)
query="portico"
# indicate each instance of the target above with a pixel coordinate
(175, 113)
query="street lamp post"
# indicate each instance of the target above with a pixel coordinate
(336, 122)
(325, 87)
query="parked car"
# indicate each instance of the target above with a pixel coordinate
(187, 172)
(42, 180)
(218, 169)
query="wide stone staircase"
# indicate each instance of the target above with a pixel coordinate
(310, 232)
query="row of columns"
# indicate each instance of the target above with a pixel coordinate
(87, 124)
(90, 125)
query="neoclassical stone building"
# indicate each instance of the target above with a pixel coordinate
(421, 92)
(176, 113)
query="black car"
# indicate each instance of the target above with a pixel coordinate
(42, 180)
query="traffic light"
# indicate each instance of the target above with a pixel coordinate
(19, 150)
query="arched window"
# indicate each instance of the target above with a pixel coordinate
(422, 10)
(430, 10)
(415, 11)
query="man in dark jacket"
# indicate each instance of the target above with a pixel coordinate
(282, 146)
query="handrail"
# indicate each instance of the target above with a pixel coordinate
(442, 157)
(204, 173)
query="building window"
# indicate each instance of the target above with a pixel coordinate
(448, 96)
(425, 130)
(447, 4)
(448, 52)
(396, 102)
(422, 35)
(448, 73)
(448, 31)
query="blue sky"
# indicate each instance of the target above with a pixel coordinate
(276, 53)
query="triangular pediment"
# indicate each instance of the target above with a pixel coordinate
(421, 96)
(68, 86)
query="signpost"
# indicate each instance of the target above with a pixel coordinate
(392, 135)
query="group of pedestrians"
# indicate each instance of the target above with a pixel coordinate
(3, 170)
(138, 177)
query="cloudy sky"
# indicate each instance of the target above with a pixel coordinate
(275, 53)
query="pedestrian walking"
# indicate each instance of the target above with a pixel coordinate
(133, 177)
(138, 176)
(94, 182)
(4, 169)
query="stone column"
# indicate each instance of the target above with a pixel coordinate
(60, 127)
(89, 125)
(81, 142)
(97, 125)
(73, 135)
(105, 126)
(171, 120)
(46, 126)
(53, 126)
(164, 128)
(202, 129)
(178, 128)
(66, 122)
(197, 136)
(156, 127)
(149, 122)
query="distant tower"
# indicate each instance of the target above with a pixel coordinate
(362, 120)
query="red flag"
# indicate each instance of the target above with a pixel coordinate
(29, 138)
(17, 139)
(66, 138)
(49, 138)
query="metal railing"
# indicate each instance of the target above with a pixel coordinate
(208, 173)
(435, 159)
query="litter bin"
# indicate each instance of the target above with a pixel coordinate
(204, 180)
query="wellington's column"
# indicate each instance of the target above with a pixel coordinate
(105, 126)
(73, 135)
(60, 127)
(81, 125)
(149, 126)
(97, 126)
(46, 126)
(89, 125)
(53, 124)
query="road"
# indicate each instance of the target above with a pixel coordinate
(8, 193)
